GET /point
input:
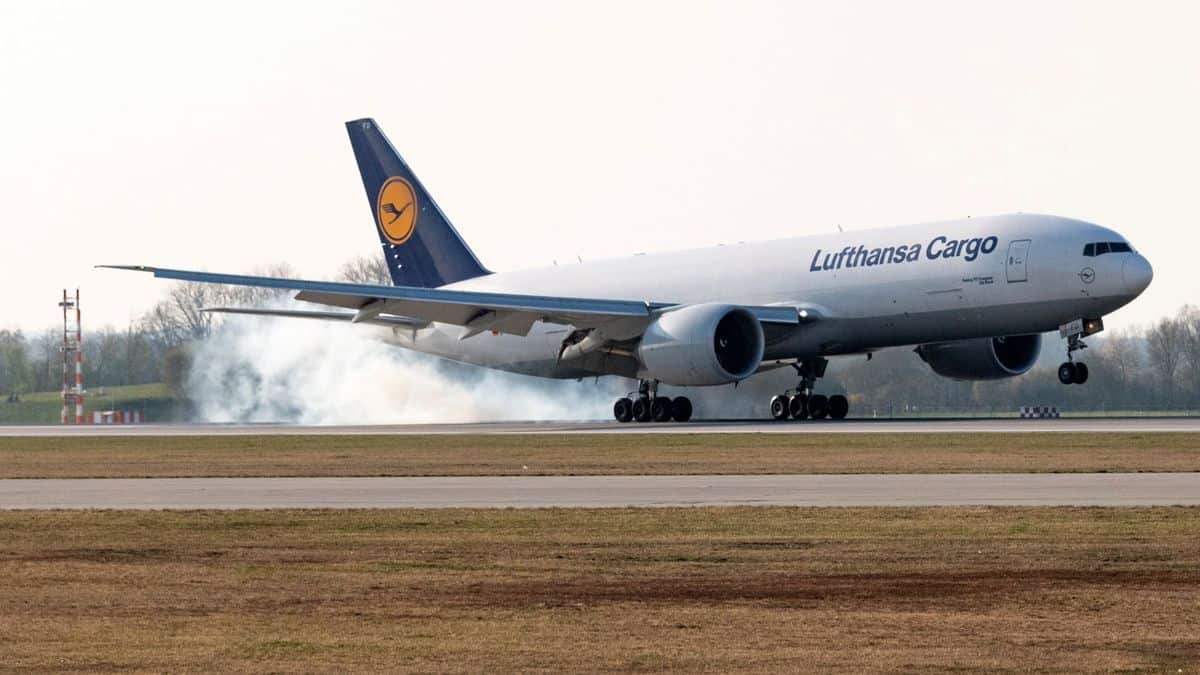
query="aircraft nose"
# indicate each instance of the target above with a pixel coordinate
(1137, 273)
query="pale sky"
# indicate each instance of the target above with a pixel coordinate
(209, 135)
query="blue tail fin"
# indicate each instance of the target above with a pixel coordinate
(421, 246)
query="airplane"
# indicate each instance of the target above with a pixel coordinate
(973, 296)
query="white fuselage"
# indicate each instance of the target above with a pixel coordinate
(865, 290)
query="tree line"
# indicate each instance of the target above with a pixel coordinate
(1153, 367)
(151, 349)
(1140, 368)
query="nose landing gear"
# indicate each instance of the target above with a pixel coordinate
(1071, 372)
(801, 403)
(648, 406)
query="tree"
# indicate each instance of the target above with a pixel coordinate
(1189, 317)
(1165, 344)
(46, 360)
(371, 270)
(180, 317)
(15, 373)
(176, 364)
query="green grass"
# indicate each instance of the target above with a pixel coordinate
(45, 407)
(593, 454)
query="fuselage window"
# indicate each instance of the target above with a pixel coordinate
(1089, 250)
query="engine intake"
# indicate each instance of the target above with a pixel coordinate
(984, 358)
(705, 344)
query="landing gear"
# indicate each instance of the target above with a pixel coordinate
(1081, 373)
(648, 406)
(818, 407)
(1071, 372)
(681, 409)
(641, 409)
(780, 407)
(839, 407)
(801, 403)
(623, 410)
(798, 407)
(660, 409)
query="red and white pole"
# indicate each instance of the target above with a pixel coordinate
(78, 361)
(65, 398)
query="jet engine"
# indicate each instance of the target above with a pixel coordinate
(984, 358)
(704, 344)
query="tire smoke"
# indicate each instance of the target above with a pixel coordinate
(269, 370)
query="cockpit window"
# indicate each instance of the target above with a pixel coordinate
(1102, 247)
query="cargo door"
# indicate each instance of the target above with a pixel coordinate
(1018, 255)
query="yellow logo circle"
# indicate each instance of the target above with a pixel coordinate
(396, 210)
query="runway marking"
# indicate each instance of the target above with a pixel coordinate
(1090, 489)
(929, 425)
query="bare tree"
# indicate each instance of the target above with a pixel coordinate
(1190, 318)
(179, 317)
(1123, 353)
(1164, 346)
(371, 270)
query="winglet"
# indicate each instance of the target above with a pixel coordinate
(132, 268)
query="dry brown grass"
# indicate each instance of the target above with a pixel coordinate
(453, 455)
(716, 590)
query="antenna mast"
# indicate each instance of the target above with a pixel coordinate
(72, 353)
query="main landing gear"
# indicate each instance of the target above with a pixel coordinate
(801, 403)
(1071, 372)
(648, 406)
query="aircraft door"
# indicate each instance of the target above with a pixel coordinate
(1018, 255)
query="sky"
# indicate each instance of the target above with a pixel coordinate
(210, 135)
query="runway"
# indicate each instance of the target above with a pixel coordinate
(908, 425)
(1096, 489)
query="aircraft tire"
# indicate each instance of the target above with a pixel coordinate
(798, 407)
(623, 410)
(839, 407)
(641, 410)
(818, 407)
(660, 409)
(1081, 373)
(681, 409)
(780, 408)
(1066, 373)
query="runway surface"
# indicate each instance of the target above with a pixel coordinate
(1101, 489)
(929, 425)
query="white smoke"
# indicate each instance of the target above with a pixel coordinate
(261, 369)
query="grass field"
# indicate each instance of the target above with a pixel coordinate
(454, 455)
(714, 590)
(154, 400)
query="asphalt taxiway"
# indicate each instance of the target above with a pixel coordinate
(908, 425)
(1090, 489)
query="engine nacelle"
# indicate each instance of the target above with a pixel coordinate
(984, 358)
(704, 344)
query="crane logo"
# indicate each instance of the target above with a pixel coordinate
(396, 210)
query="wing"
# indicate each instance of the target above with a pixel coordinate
(473, 310)
(345, 317)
